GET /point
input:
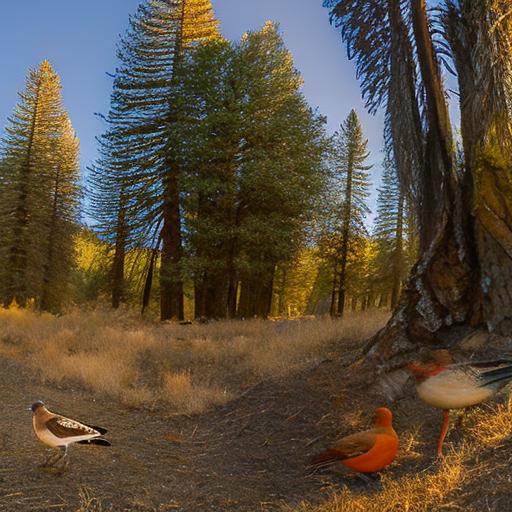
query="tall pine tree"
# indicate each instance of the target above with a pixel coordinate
(61, 220)
(39, 204)
(390, 233)
(252, 164)
(136, 183)
(344, 231)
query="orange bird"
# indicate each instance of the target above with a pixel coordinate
(365, 452)
(457, 386)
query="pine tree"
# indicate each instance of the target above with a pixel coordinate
(136, 183)
(253, 166)
(344, 231)
(390, 233)
(62, 220)
(39, 196)
(282, 166)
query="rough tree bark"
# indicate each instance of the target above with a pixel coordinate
(398, 254)
(480, 35)
(117, 270)
(440, 300)
(171, 285)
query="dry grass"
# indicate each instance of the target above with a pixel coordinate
(410, 493)
(88, 503)
(491, 424)
(187, 367)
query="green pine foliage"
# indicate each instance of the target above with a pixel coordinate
(394, 235)
(389, 233)
(135, 184)
(343, 231)
(39, 196)
(219, 140)
(61, 220)
(254, 162)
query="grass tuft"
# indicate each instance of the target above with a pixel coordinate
(88, 503)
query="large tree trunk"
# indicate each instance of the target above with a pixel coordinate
(171, 285)
(398, 254)
(117, 271)
(481, 41)
(439, 301)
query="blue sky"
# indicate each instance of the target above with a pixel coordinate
(79, 39)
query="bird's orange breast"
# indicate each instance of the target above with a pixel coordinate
(378, 457)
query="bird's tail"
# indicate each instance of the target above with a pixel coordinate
(500, 375)
(96, 440)
(326, 458)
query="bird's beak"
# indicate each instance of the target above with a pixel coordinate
(29, 408)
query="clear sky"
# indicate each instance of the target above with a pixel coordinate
(79, 38)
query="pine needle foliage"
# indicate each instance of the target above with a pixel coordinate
(253, 166)
(390, 234)
(212, 156)
(135, 184)
(344, 233)
(39, 195)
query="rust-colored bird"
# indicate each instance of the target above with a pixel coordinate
(365, 452)
(457, 386)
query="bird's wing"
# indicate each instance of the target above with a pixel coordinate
(101, 430)
(486, 372)
(356, 444)
(96, 441)
(63, 427)
(347, 448)
(485, 365)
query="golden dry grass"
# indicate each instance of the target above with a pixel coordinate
(88, 503)
(490, 424)
(188, 367)
(410, 493)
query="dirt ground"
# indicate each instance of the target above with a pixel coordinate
(250, 455)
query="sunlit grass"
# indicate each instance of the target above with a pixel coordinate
(187, 367)
(411, 493)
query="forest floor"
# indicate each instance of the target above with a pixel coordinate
(252, 453)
